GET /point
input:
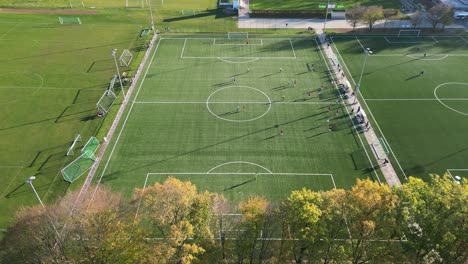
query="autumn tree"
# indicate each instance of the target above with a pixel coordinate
(257, 223)
(433, 218)
(370, 208)
(354, 15)
(372, 14)
(440, 14)
(184, 218)
(98, 230)
(302, 212)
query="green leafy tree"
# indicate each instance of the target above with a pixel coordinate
(440, 14)
(370, 210)
(372, 14)
(354, 15)
(433, 217)
(183, 217)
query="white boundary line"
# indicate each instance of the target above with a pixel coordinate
(126, 118)
(239, 162)
(410, 42)
(363, 49)
(183, 49)
(347, 111)
(450, 173)
(4, 34)
(422, 57)
(243, 44)
(292, 47)
(370, 112)
(252, 102)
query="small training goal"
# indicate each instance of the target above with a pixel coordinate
(69, 20)
(125, 58)
(83, 163)
(107, 99)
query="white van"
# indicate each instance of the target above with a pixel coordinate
(460, 15)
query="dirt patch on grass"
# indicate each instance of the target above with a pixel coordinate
(47, 11)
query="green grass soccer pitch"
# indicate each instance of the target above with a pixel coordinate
(51, 78)
(213, 114)
(307, 5)
(422, 117)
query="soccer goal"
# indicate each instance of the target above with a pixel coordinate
(69, 20)
(409, 32)
(70, 149)
(105, 102)
(125, 58)
(238, 35)
(134, 3)
(188, 12)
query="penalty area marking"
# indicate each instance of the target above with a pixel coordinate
(410, 42)
(440, 100)
(422, 57)
(239, 162)
(230, 61)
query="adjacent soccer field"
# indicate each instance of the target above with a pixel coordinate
(51, 77)
(423, 117)
(211, 109)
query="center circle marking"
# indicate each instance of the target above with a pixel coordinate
(233, 120)
(444, 104)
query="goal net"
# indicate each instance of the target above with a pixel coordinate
(409, 32)
(105, 102)
(69, 20)
(238, 35)
(125, 58)
(83, 163)
(70, 149)
(134, 3)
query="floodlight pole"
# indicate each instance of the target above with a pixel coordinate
(29, 182)
(326, 16)
(151, 14)
(114, 52)
(367, 51)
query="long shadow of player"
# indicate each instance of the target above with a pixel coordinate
(238, 185)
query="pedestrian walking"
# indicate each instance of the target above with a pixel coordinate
(342, 74)
(352, 110)
(385, 162)
(358, 109)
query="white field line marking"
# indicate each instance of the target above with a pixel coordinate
(126, 118)
(11, 167)
(426, 58)
(417, 99)
(183, 49)
(247, 61)
(372, 115)
(263, 103)
(292, 47)
(239, 173)
(253, 58)
(4, 34)
(415, 54)
(220, 37)
(139, 202)
(243, 44)
(440, 101)
(47, 88)
(466, 41)
(361, 44)
(239, 162)
(451, 175)
(347, 111)
(434, 39)
(14, 178)
(409, 42)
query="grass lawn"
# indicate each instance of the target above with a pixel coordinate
(305, 5)
(191, 119)
(422, 117)
(51, 77)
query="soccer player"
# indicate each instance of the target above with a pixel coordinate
(421, 73)
(281, 132)
(238, 108)
(295, 82)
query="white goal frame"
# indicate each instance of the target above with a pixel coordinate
(418, 31)
(231, 34)
(69, 20)
(108, 95)
(70, 149)
(125, 58)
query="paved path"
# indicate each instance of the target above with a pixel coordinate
(372, 139)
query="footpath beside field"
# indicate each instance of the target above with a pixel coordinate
(387, 169)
